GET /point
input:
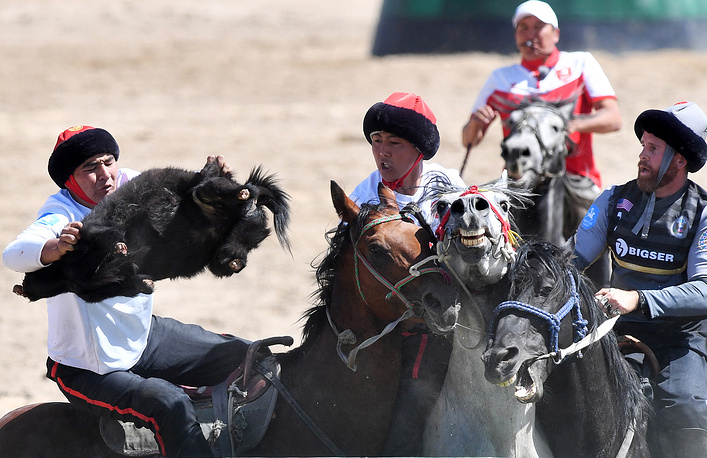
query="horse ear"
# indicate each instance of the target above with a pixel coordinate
(568, 246)
(566, 108)
(503, 181)
(387, 196)
(345, 207)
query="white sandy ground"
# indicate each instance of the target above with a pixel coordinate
(279, 83)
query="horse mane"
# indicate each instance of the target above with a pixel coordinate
(338, 238)
(561, 260)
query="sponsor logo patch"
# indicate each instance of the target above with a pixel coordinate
(48, 220)
(590, 218)
(623, 249)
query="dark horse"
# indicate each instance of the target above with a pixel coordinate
(589, 402)
(374, 272)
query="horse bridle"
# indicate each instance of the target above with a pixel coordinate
(525, 122)
(347, 336)
(554, 320)
(504, 245)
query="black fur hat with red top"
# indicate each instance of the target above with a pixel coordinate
(76, 145)
(407, 116)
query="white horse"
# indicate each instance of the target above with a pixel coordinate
(473, 417)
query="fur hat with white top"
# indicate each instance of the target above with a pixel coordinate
(683, 126)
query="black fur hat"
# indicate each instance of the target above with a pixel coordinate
(74, 146)
(407, 116)
(681, 126)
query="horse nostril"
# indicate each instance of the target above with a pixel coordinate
(524, 153)
(481, 204)
(507, 354)
(458, 207)
(431, 302)
(495, 357)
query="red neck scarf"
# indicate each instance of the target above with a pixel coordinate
(73, 186)
(534, 65)
(397, 184)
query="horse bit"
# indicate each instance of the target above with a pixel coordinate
(347, 336)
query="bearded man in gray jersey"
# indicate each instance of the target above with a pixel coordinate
(655, 228)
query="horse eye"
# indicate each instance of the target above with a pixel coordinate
(376, 249)
(504, 206)
(442, 208)
(545, 291)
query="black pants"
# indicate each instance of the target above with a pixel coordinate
(176, 354)
(425, 359)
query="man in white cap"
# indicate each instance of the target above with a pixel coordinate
(655, 228)
(551, 75)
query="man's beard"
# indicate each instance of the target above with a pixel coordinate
(650, 183)
(647, 183)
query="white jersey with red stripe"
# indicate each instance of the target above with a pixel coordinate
(574, 75)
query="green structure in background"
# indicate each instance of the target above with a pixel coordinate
(443, 26)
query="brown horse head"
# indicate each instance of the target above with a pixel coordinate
(389, 254)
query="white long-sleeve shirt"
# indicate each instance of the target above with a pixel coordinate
(101, 336)
(367, 190)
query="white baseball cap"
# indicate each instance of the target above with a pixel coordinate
(540, 10)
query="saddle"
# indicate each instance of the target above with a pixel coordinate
(234, 414)
(642, 360)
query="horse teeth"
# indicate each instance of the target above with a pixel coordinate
(508, 382)
(472, 238)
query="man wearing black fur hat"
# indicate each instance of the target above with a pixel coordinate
(655, 228)
(403, 134)
(114, 358)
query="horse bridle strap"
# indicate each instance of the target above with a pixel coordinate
(395, 289)
(554, 320)
(347, 337)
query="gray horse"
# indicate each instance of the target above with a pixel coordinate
(473, 417)
(535, 152)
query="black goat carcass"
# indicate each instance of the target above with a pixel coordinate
(165, 223)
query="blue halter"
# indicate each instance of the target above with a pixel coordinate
(554, 320)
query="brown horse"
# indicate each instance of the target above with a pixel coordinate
(374, 272)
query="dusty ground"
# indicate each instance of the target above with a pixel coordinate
(283, 84)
